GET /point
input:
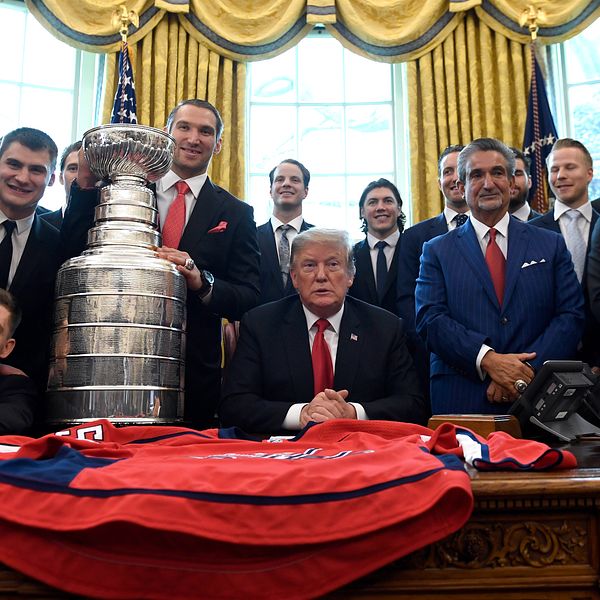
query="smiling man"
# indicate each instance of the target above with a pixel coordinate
(319, 355)
(570, 171)
(29, 247)
(288, 187)
(495, 298)
(380, 208)
(204, 222)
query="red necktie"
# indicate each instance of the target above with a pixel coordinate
(175, 221)
(321, 359)
(496, 264)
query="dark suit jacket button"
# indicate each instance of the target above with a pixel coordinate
(504, 320)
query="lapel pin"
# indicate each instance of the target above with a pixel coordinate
(354, 337)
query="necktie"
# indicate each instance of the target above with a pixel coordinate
(6, 252)
(321, 359)
(460, 219)
(284, 253)
(381, 275)
(575, 242)
(496, 264)
(175, 221)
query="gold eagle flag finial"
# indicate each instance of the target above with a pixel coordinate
(531, 17)
(121, 18)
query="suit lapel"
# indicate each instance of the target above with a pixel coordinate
(365, 266)
(518, 240)
(350, 343)
(30, 257)
(207, 205)
(297, 348)
(391, 279)
(468, 244)
(439, 225)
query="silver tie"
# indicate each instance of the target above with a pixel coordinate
(575, 242)
(284, 253)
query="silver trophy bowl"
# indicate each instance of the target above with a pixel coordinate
(118, 343)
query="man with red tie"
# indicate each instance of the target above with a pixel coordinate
(210, 235)
(496, 298)
(319, 355)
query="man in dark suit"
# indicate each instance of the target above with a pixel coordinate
(29, 247)
(18, 395)
(319, 355)
(495, 298)
(69, 165)
(376, 257)
(570, 170)
(215, 229)
(519, 194)
(453, 215)
(289, 186)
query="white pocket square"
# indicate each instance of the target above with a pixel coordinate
(533, 262)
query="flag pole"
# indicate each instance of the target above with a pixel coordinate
(124, 107)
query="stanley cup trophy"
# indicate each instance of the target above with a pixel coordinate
(118, 341)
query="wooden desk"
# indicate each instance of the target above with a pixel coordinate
(531, 536)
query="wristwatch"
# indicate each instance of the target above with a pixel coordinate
(207, 283)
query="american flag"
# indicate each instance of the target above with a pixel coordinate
(124, 108)
(540, 135)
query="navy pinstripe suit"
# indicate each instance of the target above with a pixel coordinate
(457, 309)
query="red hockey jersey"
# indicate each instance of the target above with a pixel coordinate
(169, 512)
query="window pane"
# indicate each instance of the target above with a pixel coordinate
(11, 43)
(9, 107)
(370, 143)
(322, 138)
(40, 45)
(581, 54)
(359, 70)
(273, 135)
(325, 82)
(258, 189)
(274, 80)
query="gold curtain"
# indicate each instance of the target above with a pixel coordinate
(474, 84)
(170, 66)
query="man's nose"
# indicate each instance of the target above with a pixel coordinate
(488, 180)
(321, 272)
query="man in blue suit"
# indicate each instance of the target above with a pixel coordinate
(289, 186)
(495, 298)
(414, 237)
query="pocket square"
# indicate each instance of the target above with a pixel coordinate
(222, 226)
(533, 262)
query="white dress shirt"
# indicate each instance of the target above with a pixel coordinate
(449, 215)
(388, 251)
(583, 224)
(296, 224)
(166, 193)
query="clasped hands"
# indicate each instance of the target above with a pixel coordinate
(326, 405)
(505, 370)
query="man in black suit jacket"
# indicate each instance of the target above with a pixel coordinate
(18, 395)
(570, 170)
(289, 186)
(376, 257)
(414, 237)
(219, 235)
(273, 381)
(69, 165)
(30, 257)
(519, 194)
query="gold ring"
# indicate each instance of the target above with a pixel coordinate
(520, 385)
(189, 264)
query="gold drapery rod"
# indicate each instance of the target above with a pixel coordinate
(530, 17)
(121, 19)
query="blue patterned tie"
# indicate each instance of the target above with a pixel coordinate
(575, 242)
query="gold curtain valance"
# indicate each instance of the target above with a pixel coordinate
(384, 30)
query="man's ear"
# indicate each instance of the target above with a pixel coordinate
(51, 180)
(8, 348)
(461, 187)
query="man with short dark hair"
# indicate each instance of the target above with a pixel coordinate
(29, 246)
(320, 354)
(204, 222)
(380, 208)
(519, 194)
(454, 214)
(495, 298)
(570, 170)
(18, 396)
(288, 187)
(69, 165)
